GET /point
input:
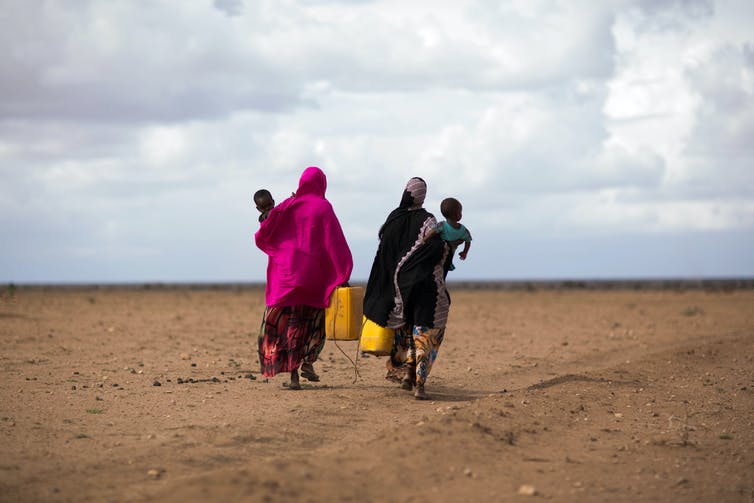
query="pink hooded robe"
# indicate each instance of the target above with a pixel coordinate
(308, 253)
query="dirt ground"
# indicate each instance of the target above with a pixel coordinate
(153, 394)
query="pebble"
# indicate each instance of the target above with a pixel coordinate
(185, 356)
(154, 474)
(156, 383)
(527, 490)
(468, 472)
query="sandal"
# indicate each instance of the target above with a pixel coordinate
(307, 372)
(420, 394)
(409, 381)
(294, 380)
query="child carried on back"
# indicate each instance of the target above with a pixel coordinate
(451, 230)
(264, 202)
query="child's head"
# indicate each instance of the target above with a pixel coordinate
(263, 199)
(451, 209)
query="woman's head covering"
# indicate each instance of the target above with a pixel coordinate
(307, 250)
(412, 199)
(313, 181)
(413, 196)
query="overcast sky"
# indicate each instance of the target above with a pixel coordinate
(585, 139)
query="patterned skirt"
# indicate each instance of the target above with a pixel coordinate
(290, 336)
(414, 351)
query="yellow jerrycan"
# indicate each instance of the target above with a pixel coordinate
(375, 339)
(343, 316)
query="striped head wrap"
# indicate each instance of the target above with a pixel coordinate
(413, 196)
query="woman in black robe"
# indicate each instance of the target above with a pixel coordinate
(406, 289)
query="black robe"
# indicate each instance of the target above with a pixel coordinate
(420, 267)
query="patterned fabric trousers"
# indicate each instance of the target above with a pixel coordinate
(414, 351)
(290, 336)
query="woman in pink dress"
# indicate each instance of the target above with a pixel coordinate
(308, 257)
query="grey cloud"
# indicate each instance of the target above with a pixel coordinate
(117, 101)
(337, 2)
(232, 8)
(153, 65)
(108, 62)
(673, 15)
(693, 8)
(725, 123)
(720, 151)
(30, 144)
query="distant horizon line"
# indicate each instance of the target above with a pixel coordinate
(670, 282)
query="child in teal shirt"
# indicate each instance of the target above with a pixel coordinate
(451, 230)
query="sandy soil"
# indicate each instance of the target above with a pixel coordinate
(574, 395)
